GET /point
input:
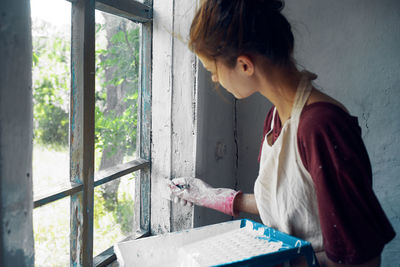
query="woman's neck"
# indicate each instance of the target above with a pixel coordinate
(280, 88)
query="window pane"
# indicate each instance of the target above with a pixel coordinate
(51, 231)
(113, 212)
(51, 28)
(117, 70)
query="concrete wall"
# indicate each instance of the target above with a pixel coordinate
(216, 153)
(353, 46)
(16, 235)
(251, 113)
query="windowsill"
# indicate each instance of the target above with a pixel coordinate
(108, 257)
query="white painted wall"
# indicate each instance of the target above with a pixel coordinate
(353, 46)
(173, 111)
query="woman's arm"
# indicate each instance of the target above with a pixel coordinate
(245, 203)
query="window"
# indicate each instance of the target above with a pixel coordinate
(95, 84)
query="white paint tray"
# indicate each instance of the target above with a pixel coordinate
(234, 243)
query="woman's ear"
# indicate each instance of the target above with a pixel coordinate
(245, 65)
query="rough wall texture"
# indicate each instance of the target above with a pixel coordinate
(250, 114)
(192, 125)
(353, 46)
(16, 236)
(216, 153)
(173, 112)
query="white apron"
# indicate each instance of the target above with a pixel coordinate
(284, 190)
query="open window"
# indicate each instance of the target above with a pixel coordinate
(91, 79)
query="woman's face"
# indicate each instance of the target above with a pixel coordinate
(234, 80)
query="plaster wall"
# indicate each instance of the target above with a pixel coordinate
(250, 114)
(353, 46)
(16, 235)
(216, 153)
(174, 94)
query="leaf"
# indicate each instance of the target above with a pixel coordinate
(35, 59)
(120, 81)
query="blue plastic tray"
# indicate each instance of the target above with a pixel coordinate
(292, 247)
(234, 243)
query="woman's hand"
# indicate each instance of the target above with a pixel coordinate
(196, 191)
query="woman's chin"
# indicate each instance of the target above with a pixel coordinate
(241, 96)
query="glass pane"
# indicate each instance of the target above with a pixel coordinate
(117, 71)
(51, 230)
(51, 35)
(113, 212)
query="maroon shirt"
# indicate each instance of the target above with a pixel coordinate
(354, 226)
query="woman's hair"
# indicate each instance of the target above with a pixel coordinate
(226, 29)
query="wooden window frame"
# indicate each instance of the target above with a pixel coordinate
(82, 120)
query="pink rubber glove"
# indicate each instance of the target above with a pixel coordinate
(200, 193)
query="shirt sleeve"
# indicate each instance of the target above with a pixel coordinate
(354, 226)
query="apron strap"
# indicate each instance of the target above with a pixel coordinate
(272, 122)
(303, 92)
(273, 119)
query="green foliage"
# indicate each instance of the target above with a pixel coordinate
(115, 130)
(117, 69)
(51, 127)
(50, 68)
(120, 215)
(124, 213)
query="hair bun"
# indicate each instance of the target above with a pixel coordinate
(276, 5)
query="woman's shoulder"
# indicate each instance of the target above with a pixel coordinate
(322, 111)
(322, 116)
(317, 96)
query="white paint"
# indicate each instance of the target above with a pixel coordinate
(173, 112)
(298, 243)
(165, 191)
(232, 246)
(184, 100)
(158, 250)
(161, 114)
(204, 246)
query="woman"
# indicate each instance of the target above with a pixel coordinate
(315, 179)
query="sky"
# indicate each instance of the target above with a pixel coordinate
(57, 12)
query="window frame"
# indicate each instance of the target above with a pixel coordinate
(82, 119)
